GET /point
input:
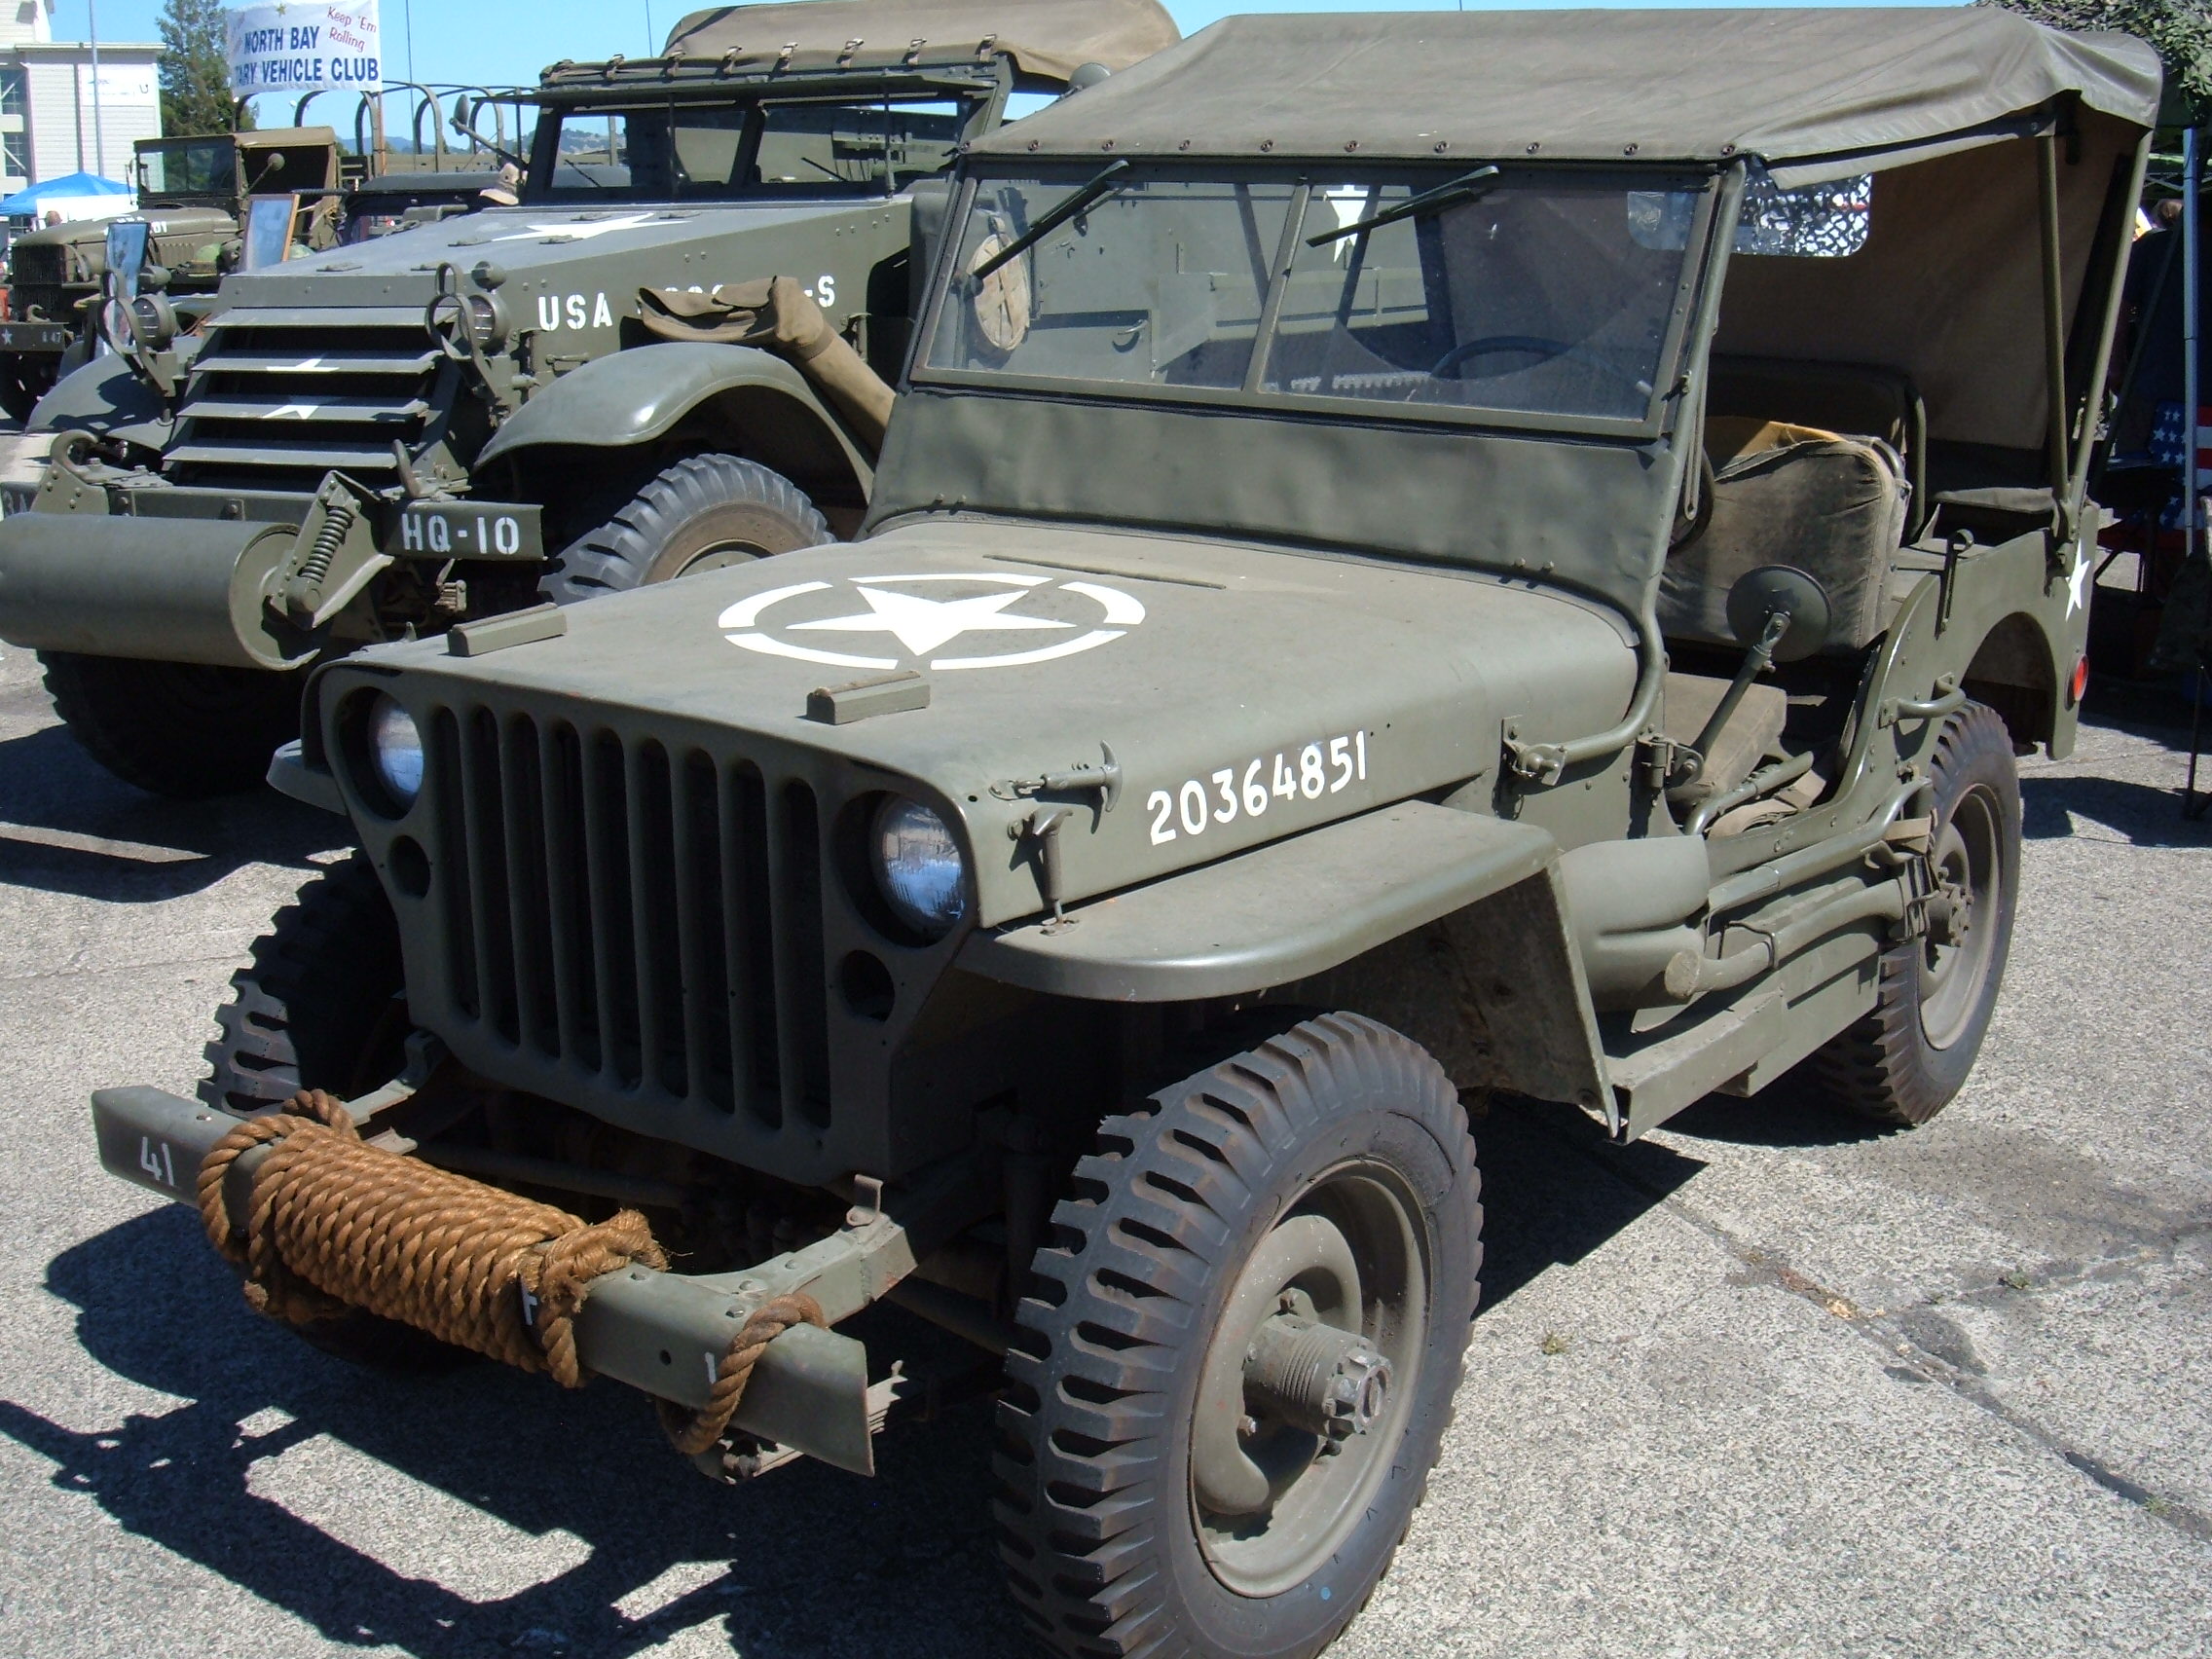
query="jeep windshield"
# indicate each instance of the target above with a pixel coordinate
(642, 148)
(1519, 291)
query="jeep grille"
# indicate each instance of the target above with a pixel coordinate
(277, 398)
(629, 918)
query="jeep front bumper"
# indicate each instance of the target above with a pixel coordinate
(661, 1332)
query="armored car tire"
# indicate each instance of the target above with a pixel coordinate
(176, 729)
(1238, 1356)
(23, 380)
(704, 512)
(1905, 1059)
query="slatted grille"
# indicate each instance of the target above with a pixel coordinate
(278, 396)
(651, 919)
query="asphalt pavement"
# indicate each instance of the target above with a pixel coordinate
(1767, 1383)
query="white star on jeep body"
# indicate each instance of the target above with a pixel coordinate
(922, 625)
(2083, 579)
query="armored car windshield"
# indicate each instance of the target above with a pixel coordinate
(1517, 290)
(642, 149)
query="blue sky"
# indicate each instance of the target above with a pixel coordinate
(495, 42)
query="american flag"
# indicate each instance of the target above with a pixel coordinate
(2165, 436)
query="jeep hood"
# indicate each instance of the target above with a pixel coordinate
(1245, 695)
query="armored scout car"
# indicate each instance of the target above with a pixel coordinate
(193, 193)
(441, 423)
(1367, 598)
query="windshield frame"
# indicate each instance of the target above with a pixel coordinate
(1306, 178)
(169, 145)
(982, 90)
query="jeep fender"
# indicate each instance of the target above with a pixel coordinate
(734, 399)
(1452, 927)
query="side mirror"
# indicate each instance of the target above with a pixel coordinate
(1085, 75)
(463, 113)
(1780, 590)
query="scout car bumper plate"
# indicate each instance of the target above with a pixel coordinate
(664, 1333)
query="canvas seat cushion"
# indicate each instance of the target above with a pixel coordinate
(1829, 504)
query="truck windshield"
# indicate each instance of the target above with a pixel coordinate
(670, 150)
(187, 167)
(1515, 290)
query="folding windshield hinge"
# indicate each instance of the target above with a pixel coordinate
(1661, 762)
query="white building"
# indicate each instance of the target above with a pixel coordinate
(47, 125)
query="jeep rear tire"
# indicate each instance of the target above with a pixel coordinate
(1237, 1359)
(173, 728)
(320, 1004)
(704, 512)
(1905, 1059)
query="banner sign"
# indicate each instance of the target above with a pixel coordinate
(297, 48)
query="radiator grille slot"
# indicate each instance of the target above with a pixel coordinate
(651, 919)
(276, 396)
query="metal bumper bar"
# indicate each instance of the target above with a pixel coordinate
(664, 1333)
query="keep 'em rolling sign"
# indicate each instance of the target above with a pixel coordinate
(300, 48)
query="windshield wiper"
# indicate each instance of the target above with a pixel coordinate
(1465, 188)
(1104, 184)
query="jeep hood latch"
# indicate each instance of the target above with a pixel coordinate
(1103, 780)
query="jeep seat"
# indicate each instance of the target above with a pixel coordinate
(1832, 505)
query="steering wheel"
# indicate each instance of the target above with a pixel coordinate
(1543, 350)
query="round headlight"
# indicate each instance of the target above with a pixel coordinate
(485, 323)
(395, 750)
(918, 867)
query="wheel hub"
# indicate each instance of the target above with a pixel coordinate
(1317, 1378)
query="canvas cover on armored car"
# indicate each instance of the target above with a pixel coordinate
(1053, 39)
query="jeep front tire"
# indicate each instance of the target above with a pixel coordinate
(1236, 1361)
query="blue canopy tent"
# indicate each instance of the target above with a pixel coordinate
(77, 195)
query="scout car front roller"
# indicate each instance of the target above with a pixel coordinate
(1237, 1357)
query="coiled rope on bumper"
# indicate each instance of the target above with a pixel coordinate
(334, 1226)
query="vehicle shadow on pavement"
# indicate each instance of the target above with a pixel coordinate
(1541, 1208)
(2139, 815)
(68, 827)
(808, 1561)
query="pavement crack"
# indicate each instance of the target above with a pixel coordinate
(1897, 1344)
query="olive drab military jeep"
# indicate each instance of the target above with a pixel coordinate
(192, 192)
(1369, 597)
(442, 424)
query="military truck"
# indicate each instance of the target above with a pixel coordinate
(443, 423)
(1426, 587)
(193, 191)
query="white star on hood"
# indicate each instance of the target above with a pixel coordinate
(582, 229)
(922, 625)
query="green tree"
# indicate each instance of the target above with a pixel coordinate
(2179, 31)
(196, 72)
